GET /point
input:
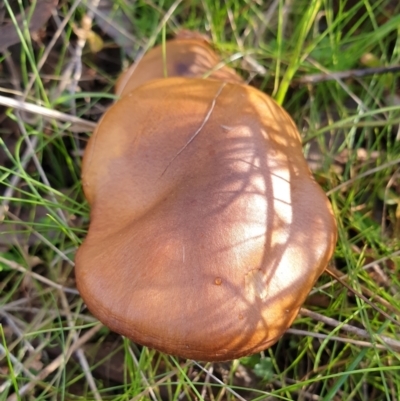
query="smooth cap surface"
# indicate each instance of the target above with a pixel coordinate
(185, 56)
(207, 229)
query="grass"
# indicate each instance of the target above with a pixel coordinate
(51, 348)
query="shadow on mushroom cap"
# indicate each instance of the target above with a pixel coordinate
(207, 229)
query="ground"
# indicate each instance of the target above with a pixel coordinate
(332, 64)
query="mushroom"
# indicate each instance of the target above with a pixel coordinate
(207, 228)
(188, 55)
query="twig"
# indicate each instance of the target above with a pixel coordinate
(15, 266)
(363, 107)
(395, 344)
(321, 336)
(78, 124)
(331, 76)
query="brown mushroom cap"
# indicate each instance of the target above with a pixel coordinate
(207, 229)
(188, 55)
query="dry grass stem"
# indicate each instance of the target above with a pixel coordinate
(77, 124)
(215, 378)
(333, 75)
(56, 363)
(362, 175)
(38, 277)
(43, 239)
(390, 342)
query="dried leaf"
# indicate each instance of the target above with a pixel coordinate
(42, 12)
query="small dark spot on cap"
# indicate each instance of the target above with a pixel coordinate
(181, 69)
